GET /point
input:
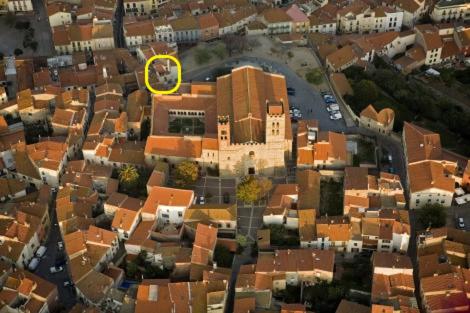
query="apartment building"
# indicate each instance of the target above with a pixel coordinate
(392, 280)
(94, 36)
(59, 14)
(295, 266)
(277, 21)
(167, 205)
(20, 7)
(443, 269)
(450, 10)
(431, 179)
(323, 20)
(202, 296)
(359, 17)
(427, 37)
(42, 162)
(413, 10)
(363, 191)
(320, 149)
(139, 33)
(300, 21)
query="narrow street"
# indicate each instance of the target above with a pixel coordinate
(54, 257)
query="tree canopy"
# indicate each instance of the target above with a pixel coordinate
(186, 173)
(433, 215)
(129, 176)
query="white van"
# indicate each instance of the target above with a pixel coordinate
(41, 251)
(33, 265)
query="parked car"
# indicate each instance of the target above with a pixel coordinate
(33, 265)
(290, 91)
(41, 251)
(332, 107)
(68, 283)
(202, 200)
(336, 116)
(56, 269)
(460, 223)
(60, 245)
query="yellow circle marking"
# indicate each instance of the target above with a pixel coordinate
(146, 74)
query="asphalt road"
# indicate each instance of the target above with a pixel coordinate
(66, 294)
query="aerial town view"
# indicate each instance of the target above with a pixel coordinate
(245, 156)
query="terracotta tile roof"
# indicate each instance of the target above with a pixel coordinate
(296, 260)
(204, 243)
(293, 308)
(296, 14)
(407, 5)
(141, 28)
(388, 286)
(430, 35)
(211, 212)
(276, 15)
(185, 23)
(384, 117)
(249, 89)
(356, 178)
(341, 83)
(391, 260)
(174, 146)
(348, 307)
(429, 174)
(167, 197)
(342, 56)
(309, 186)
(421, 144)
(336, 228)
(307, 229)
(124, 219)
(244, 305)
(377, 308)
(207, 21)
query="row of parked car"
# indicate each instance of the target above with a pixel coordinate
(331, 105)
(40, 253)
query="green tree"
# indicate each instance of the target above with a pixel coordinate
(220, 51)
(366, 92)
(290, 55)
(186, 173)
(129, 177)
(131, 269)
(265, 185)
(18, 52)
(223, 256)
(145, 129)
(433, 215)
(278, 234)
(202, 56)
(241, 240)
(249, 189)
(314, 76)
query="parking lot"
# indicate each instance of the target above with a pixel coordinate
(250, 219)
(214, 188)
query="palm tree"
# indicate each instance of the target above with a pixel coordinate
(128, 176)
